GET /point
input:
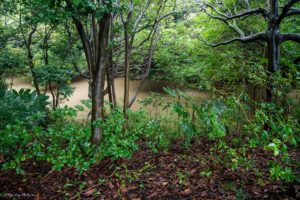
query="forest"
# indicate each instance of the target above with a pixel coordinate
(150, 99)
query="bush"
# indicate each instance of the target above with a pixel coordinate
(66, 143)
(22, 106)
(57, 80)
(61, 144)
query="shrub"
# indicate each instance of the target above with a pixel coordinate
(66, 143)
(118, 142)
(22, 106)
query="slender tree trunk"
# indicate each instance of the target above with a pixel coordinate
(127, 70)
(32, 71)
(57, 94)
(99, 79)
(28, 42)
(53, 95)
(273, 46)
(46, 56)
(109, 84)
(148, 64)
(111, 76)
(30, 59)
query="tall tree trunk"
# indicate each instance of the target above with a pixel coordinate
(109, 83)
(110, 70)
(112, 78)
(127, 69)
(99, 78)
(31, 63)
(148, 64)
(32, 71)
(46, 56)
(273, 43)
(28, 42)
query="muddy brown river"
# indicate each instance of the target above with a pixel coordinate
(81, 91)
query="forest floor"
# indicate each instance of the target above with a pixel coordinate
(176, 174)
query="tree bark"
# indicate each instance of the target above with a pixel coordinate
(273, 43)
(111, 71)
(30, 60)
(127, 69)
(99, 78)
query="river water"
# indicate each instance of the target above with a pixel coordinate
(81, 91)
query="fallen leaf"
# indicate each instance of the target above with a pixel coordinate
(164, 183)
(193, 171)
(110, 185)
(152, 195)
(89, 192)
(186, 192)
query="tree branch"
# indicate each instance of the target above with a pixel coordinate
(157, 21)
(232, 26)
(80, 72)
(246, 39)
(140, 17)
(293, 12)
(290, 37)
(247, 13)
(84, 38)
(285, 10)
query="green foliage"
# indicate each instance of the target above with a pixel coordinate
(3, 87)
(220, 120)
(52, 76)
(187, 118)
(15, 141)
(22, 106)
(207, 173)
(117, 142)
(11, 60)
(182, 176)
(272, 127)
(277, 172)
(184, 67)
(211, 113)
(276, 131)
(157, 135)
(62, 143)
(66, 143)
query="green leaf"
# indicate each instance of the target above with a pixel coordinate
(170, 91)
(274, 148)
(76, 2)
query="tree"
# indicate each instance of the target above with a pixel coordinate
(27, 38)
(95, 49)
(29, 17)
(272, 36)
(137, 19)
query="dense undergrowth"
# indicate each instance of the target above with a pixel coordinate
(225, 121)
